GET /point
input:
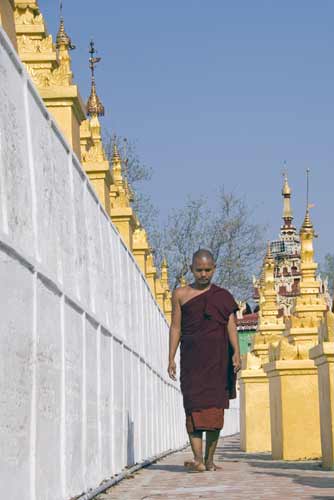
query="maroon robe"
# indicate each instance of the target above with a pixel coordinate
(207, 375)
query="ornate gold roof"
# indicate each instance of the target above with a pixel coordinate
(94, 105)
(307, 226)
(62, 37)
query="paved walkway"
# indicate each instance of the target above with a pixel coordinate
(244, 476)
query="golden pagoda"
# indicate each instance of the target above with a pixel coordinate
(140, 246)
(49, 66)
(151, 273)
(121, 196)
(292, 374)
(94, 159)
(255, 434)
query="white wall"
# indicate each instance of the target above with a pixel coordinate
(83, 344)
(232, 418)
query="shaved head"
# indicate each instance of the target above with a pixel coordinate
(202, 253)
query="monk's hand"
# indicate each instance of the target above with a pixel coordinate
(236, 362)
(172, 370)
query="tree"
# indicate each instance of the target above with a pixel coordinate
(327, 271)
(136, 173)
(226, 229)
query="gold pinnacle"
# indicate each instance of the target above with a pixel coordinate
(94, 105)
(116, 157)
(62, 37)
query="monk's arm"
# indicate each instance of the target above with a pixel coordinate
(174, 334)
(234, 340)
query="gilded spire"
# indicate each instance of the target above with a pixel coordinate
(63, 40)
(269, 256)
(164, 274)
(115, 154)
(94, 105)
(307, 226)
(287, 210)
(183, 281)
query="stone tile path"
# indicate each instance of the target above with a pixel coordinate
(244, 476)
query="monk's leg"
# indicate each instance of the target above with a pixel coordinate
(196, 442)
(210, 448)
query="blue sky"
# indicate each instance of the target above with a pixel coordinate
(218, 92)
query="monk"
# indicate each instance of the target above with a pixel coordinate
(203, 322)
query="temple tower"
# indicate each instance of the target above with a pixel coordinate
(93, 155)
(120, 196)
(49, 66)
(286, 252)
(151, 273)
(294, 403)
(255, 433)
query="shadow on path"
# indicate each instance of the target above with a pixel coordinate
(312, 481)
(167, 468)
(263, 465)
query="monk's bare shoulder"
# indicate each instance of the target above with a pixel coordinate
(176, 296)
(182, 294)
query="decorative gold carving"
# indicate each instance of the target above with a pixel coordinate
(326, 330)
(140, 237)
(30, 45)
(284, 350)
(94, 154)
(251, 362)
(59, 77)
(28, 15)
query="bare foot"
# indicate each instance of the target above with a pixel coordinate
(193, 466)
(211, 467)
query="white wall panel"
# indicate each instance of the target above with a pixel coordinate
(16, 195)
(48, 390)
(16, 384)
(92, 402)
(105, 403)
(73, 376)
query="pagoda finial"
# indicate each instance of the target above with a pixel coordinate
(63, 40)
(269, 255)
(115, 154)
(183, 281)
(286, 193)
(94, 105)
(164, 274)
(307, 226)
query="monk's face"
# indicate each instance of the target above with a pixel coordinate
(203, 269)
